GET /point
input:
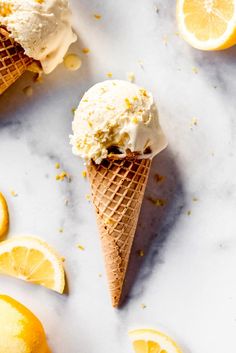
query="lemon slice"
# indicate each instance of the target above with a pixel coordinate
(31, 259)
(207, 24)
(152, 341)
(4, 216)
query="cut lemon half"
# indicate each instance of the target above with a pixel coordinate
(21, 331)
(31, 259)
(4, 216)
(207, 24)
(152, 341)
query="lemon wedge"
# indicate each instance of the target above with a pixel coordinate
(152, 341)
(207, 24)
(4, 216)
(31, 259)
(21, 331)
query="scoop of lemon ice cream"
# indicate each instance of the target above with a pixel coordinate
(41, 27)
(116, 116)
(21, 331)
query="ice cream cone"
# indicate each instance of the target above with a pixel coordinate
(118, 187)
(13, 61)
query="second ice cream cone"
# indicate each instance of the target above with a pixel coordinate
(118, 188)
(13, 61)
(116, 130)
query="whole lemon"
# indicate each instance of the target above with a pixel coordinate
(21, 331)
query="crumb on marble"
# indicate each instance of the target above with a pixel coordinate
(64, 175)
(66, 202)
(80, 247)
(157, 202)
(189, 213)
(86, 50)
(13, 193)
(143, 306)
(195, 199)
(63, 259)
(73, 110)
(141, 64)
(131, 77)
(195, 70)
(88, 197)
(109, 74)
(140, 253)
(61, 230)
(194, 122)
(57, 165)
(165, 40)
(84, 173)
(97, 16)
(100, 275)
(159, 178)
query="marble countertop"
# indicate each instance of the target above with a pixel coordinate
(187, 278)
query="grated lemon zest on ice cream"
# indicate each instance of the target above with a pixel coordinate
(131, 125)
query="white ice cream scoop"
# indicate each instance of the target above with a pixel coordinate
(41, 27)
(117, 117)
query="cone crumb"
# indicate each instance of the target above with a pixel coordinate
(194, 70)
(61, 230)
(57, 165)
(88, 197)
(13, 193)
(165, 40)
(86, 50)
(84, 173)
(109, 74)
(141, 64)
(97, 16)
(143, 306)
(80, 247)
(159, 178)
(64, 175)
(140, 253)
(157, 202)
(194, 122)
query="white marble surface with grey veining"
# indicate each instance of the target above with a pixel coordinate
(187, 279)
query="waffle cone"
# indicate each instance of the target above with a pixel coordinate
(13, 61)
(118, 188)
